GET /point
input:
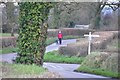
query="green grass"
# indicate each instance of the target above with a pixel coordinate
(27, 69)
(54, 56)
(8, 50)
(6, 34)
(98, 71)
(20, 69)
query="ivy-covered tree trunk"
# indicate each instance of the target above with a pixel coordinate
(32, 32)
(39, 56)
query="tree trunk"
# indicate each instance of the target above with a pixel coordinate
(12, 28)
(39, 56)
(95, 22)
(12, 32)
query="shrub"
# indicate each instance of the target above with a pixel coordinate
(76, 49)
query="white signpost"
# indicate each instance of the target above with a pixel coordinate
(90, 38)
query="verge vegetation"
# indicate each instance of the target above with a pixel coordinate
(100, 63)
(54, 56)
(20, 70)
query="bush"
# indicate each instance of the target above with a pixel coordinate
(76, 49)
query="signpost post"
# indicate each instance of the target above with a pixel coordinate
(89, 39)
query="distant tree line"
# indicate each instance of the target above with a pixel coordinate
(62, 15)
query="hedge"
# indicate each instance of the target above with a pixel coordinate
(8, 42)
(69, 31)
(80, 48)
(11, 41)
(75, 49)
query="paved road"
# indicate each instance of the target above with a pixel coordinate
(55, 46)
(65, 70)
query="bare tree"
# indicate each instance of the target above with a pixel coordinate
(95, 22)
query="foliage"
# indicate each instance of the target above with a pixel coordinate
(32, 32)
(67, 15)
(54, 56)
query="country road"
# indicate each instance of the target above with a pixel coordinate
(65, 70)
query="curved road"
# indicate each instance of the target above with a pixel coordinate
(65, 70)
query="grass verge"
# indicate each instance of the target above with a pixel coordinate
(98, 71)
(54, 56)
(15, 70)
(7, 34)
(8, 50)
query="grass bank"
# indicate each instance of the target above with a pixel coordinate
(20, 70)
(8, 50)
(98, 71)
(55, 57)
